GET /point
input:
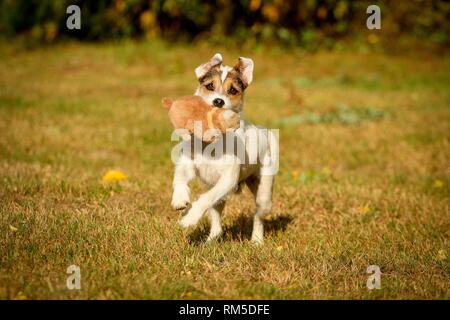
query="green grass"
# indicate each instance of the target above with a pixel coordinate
(361, 185)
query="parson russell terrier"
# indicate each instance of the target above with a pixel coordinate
(249, 155)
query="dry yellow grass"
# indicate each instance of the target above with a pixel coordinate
(347, 195)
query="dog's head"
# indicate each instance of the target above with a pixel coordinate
(224, 86)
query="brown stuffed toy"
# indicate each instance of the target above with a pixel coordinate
(184, 111)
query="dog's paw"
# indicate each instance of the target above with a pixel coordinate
(191, 218)
(187, 222)
(213, 236)
(180, 205)
(180, 200)
(257, 239)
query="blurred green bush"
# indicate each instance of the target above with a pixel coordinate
(303, 22)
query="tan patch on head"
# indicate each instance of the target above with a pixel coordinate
(234, 87)
(210, 82)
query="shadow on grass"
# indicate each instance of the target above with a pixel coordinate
(241, 229)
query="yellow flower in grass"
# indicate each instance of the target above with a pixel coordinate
(21, 296)
(326, 171)
(295, 174)
(438, 183)
(12, 228)
(442, 255)
(187, 294)
(364, 209)
(114, 175)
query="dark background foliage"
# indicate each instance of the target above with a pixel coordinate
(288, 22)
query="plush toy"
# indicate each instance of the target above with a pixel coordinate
(191, 112)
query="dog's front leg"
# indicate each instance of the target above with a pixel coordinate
(207, 200)
(184, 172)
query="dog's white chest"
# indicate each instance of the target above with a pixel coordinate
(210, 169)
(209, 172)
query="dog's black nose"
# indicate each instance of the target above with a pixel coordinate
(218, 103)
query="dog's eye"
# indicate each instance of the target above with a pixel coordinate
(232, 91)
(210, 86)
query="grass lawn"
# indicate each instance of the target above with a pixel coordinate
(364, 176)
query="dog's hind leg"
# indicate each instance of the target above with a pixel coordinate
(261, 188)
(214, 216)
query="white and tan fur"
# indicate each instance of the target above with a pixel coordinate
(224, 174)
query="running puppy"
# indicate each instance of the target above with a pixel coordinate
(254, 161)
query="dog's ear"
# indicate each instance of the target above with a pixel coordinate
(201, 70)
(245, 68)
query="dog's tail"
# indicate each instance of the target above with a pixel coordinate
(167, 102)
